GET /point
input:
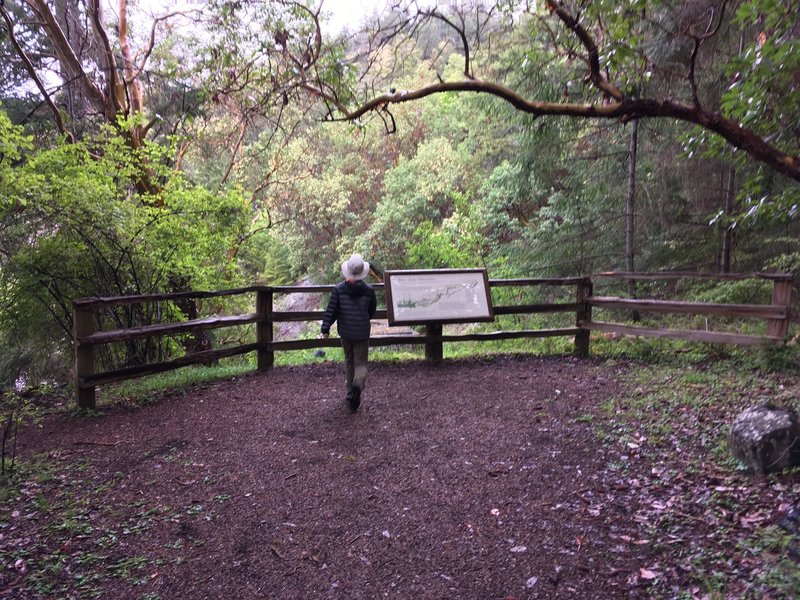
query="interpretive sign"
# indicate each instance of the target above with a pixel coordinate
(438, 296)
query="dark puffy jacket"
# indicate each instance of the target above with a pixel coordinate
(352, 305)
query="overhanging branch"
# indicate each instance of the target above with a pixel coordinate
(614, 105)
(625, 109)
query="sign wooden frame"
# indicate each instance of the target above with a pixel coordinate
(419, 297)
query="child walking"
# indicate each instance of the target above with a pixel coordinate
(352, 304)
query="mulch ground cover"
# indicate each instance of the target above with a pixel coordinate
(480, 478)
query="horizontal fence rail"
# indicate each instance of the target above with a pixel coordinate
(86, 335)
(776, 314)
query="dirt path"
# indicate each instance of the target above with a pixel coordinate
(472, 479)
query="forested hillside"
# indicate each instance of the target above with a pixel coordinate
(217, 144)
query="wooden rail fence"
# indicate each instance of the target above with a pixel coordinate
(777, 314)
(87, 336)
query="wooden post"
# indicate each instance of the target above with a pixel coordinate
(266, 357)
(782, 296)
(433, 348)
(83, 326)
(583, 315)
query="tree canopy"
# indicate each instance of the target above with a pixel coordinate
(243, 141)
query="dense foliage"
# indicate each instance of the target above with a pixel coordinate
(243, 142)
(73, 226)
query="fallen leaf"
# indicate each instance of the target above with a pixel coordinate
(648, 574)
(753, 519)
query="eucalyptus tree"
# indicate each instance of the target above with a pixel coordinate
(203, 82)
(108, 209)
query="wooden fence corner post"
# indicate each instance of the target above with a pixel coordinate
(266, 356)
(781, 296)
(433, 347)
(583, 315)
(82, 327)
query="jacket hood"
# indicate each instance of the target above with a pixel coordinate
(355, 288)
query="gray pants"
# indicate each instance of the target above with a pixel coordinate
(355, 362)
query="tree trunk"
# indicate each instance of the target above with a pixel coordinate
(74, 97)
(727, 234)
(629, 212)
(70, 63)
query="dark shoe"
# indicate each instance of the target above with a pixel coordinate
(354, 398)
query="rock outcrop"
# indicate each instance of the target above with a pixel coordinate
(766, 438)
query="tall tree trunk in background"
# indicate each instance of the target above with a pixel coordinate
(629, 212)
(727, 234)
(67, 16)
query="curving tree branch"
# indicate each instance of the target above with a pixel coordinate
(597, 78)
(615, 105)
(697, 41)
(460, 30)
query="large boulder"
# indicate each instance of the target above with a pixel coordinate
(766, 438)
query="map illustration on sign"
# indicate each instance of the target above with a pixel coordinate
(443, 296)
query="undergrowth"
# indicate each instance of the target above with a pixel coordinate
(676, 411)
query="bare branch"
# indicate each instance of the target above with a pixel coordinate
(391, 125)
(435, 14)
(234, 152)
(34, 75)
(316, 51)
(234, 251)
(697, 41)
(588, 42)
(145, 55)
